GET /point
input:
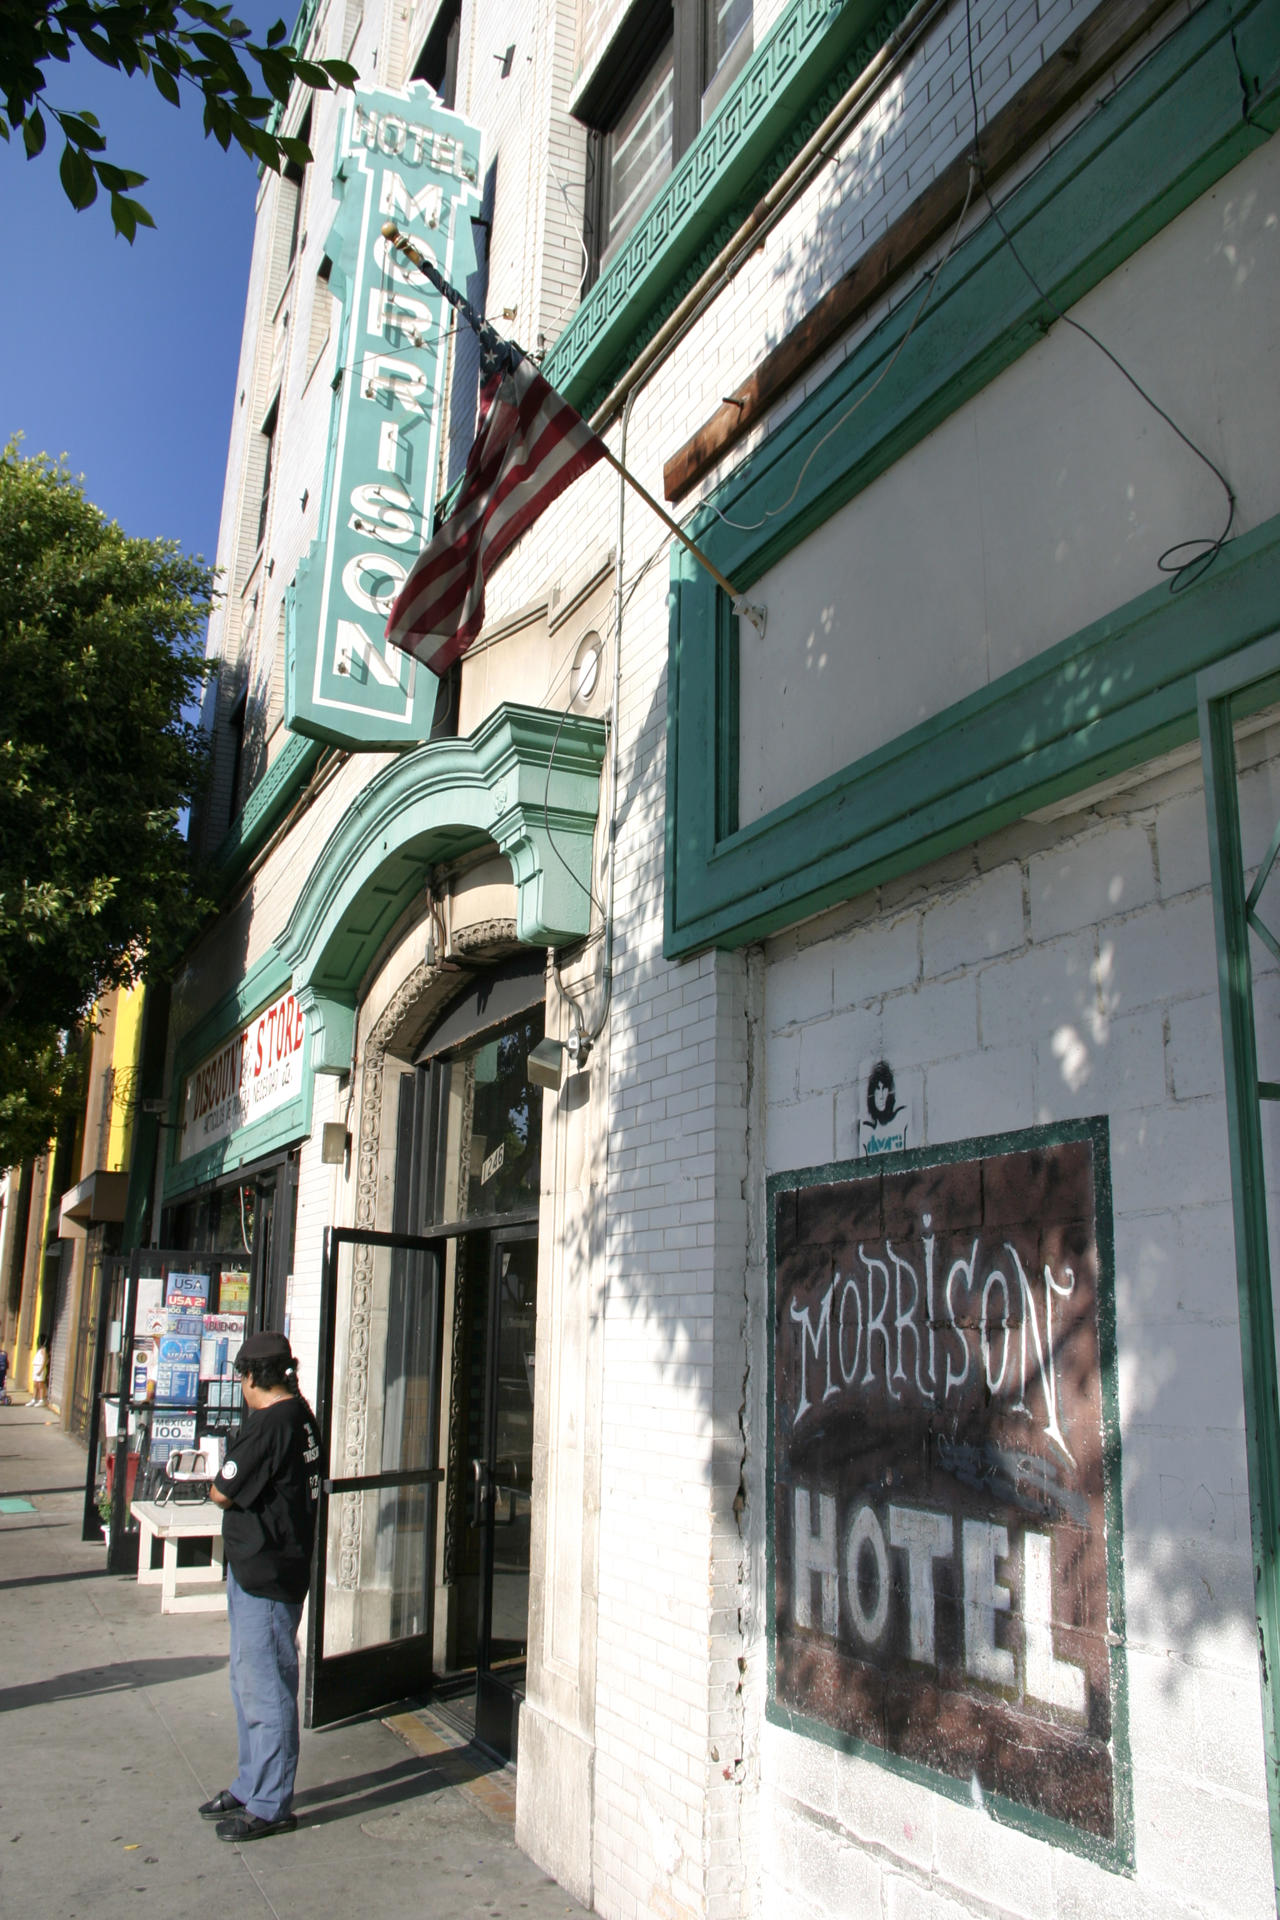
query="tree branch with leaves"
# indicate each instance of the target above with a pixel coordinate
(174, 44)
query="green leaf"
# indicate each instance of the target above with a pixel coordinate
(277, 33)
(99, 46)
(213, 47)
(33, 133)
(341, 71)
(314, 76)
(75, 170)
(277, 73)
(119, 179)
(254, 140)
(82, 131)
(122, 216)
(296, 150)
(166, 85)
(217, 120)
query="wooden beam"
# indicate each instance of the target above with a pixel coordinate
(1064, 78)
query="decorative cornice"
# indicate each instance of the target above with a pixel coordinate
(786, 89)
(263, 810)
(527, 782)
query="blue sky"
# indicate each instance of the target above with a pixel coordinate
(124, 358)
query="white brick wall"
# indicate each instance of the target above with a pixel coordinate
(1055, 981)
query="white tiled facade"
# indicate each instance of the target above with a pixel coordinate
(1009, 1011)
(1063, 967)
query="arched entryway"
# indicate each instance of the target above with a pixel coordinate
(426, 1361)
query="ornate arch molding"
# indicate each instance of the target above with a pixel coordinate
(527, 782)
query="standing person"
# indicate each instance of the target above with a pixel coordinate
(40, 1374)
(269, 1485)
(4, 1373)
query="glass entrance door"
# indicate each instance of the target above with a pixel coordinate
(503, 1480)
(372, 1599)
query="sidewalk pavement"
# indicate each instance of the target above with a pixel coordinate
(116, 1722)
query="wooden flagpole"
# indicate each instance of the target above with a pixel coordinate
(755, 614)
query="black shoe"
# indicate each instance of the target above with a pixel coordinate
(221, 1805)
(247, 1826)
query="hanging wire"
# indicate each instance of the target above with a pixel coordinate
(771, 513)
(1200, 551)
(546, 815)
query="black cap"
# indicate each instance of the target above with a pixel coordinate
(262, 1346)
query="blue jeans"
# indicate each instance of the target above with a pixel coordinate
(264, 1689)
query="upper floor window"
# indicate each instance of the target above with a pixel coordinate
(268, 460)
(295, 177)
(666, 73)
(727, 43)
(636, 153)
(438, 62)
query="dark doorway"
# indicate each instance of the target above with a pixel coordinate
(428, 1349)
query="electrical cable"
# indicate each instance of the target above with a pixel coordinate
(654, 557)
(1186, 572)
(546, 815)
(575, 298)
(771, 513)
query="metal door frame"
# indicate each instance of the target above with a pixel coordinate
(1226, 693)
(495, 1697)
(341, 1685)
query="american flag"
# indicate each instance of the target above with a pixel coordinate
(530, 446)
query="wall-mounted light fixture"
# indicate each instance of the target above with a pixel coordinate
(335, 1144)
(546, 1061)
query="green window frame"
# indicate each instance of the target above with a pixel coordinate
(802, 67)
(1228, 693)
(1099, 702)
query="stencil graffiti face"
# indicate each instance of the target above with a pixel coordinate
(940, 1526)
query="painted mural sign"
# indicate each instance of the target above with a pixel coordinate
(942, 1368)
(400, 157)
(249, 1075)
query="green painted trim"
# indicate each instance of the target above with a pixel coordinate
(297, 40)
(526, 782)
(262, 812)
(263, 983)
(1099, 702)
(283, 1129)
(1119, 1856)
(807, 61)
(1226, 693)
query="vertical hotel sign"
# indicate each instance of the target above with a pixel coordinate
(400, 157)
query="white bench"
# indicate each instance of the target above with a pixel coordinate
(170, 1522)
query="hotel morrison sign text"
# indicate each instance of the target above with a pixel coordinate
(945, 1530)
(400, 157)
